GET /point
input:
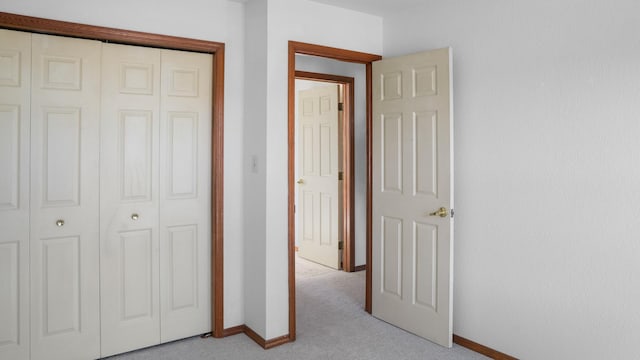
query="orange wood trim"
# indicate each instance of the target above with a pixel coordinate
(368, 285)
(342, 55)
(348, 201)
(306, 75)
(266, 344)
(217, 195)
(254, 336)
(360, 268)
(350, 181)
(54, 27)
(333, 53)
(481, 349)
(277, 342)
(234, 330)
(291, 77)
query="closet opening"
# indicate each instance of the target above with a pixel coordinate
(217, 51)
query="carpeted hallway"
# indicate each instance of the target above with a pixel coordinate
(331, 325)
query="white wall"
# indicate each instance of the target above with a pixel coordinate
(255, 165)
(214, 20)
(305, 21)
(356, 71)
(547, 105)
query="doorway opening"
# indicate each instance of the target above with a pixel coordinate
(316, 96)
(340, 55)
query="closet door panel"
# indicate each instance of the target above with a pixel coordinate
(129, 198)
(64, 235)
(185, 194)
(15, 112)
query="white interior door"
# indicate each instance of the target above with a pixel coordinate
(413, 178)
(65, 313)
(129, 198)
(318, 184)
(185, 194)
(15, 114)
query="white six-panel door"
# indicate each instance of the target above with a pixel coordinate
(15, 90)
(412, 179)
(65, 236)
(185, 194)
(318, 185)
(130, 125)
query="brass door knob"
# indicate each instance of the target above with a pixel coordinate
(60, 223)
(134, 216)
(300, 181)
(442, 212)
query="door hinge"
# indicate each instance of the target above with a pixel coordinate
(452, 212)
(340, 106)
(340, 175)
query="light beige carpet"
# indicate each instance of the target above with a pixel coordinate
(306, 269)
(331, 323)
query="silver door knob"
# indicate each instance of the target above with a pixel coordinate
(60, 223)
(134, 216)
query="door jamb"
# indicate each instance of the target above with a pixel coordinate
(348, 183)
(341, 55)
(216, 49)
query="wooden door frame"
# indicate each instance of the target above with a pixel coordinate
(341, 55)
(348, 183)
(216, 49)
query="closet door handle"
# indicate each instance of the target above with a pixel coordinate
(60, 223)
(134, 217)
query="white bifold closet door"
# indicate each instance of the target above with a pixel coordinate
(15, 109)
(155, 196)
(129, 206)
(185, 194)
(105, 196)
(65, 230)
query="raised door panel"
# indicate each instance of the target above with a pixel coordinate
(182, 283)
(61, 130)
(10, 297)
(10, 156)
(391, 166)
(60, 285)
(136, 271)
(130, 307)
(182, 155)
(185, 194)
(308, 210)
(425, 266)
(391, 257)
(135, 154)
(307, 150)
(425, 154)
(64, 202)
(15, 110)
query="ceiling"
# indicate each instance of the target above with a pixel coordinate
(375, 7)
